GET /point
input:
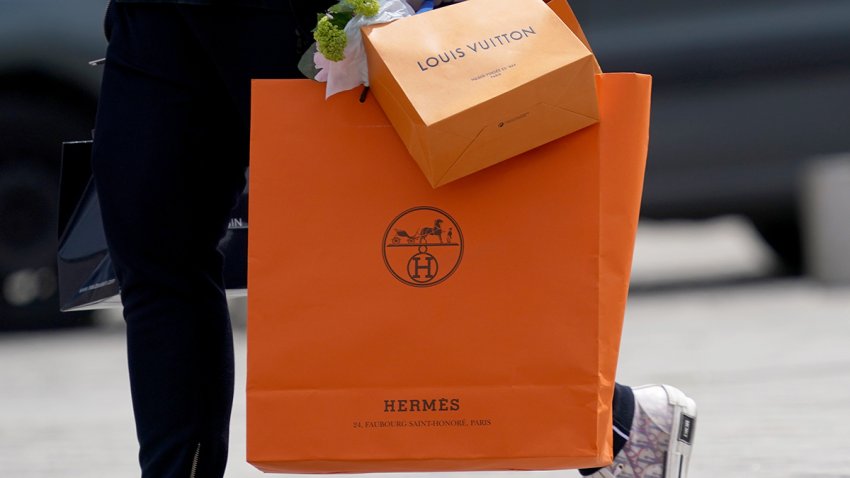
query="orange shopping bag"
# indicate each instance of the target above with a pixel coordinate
(396, 327)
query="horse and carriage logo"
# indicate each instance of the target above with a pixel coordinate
(423, 246)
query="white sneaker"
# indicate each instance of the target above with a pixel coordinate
(661, 438)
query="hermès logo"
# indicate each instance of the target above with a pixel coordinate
(423, 246)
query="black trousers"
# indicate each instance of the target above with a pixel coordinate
(170, 152)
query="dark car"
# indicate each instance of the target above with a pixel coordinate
(745, 92)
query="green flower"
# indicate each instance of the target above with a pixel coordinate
(330, 39)
(367, 8)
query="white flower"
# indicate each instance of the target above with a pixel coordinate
(353, 71)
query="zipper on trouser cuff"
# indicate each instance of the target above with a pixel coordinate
(195, 461)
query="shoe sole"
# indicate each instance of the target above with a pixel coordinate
(682, 433)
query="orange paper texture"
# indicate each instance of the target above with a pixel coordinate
(476, 83)
(397, 327)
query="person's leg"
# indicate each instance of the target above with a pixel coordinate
(168, 173)
(623, 409)
(171, 145)
(659, 437)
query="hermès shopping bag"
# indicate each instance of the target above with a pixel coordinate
(475, 83)
(397, 327)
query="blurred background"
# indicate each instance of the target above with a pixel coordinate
(740, 283)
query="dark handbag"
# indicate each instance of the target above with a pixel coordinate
(86, 277)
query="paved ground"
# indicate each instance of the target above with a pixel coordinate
(767, 360)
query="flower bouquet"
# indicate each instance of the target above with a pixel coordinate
(338, 57)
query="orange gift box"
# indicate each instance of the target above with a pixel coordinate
(397, 327)
(481, 81)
